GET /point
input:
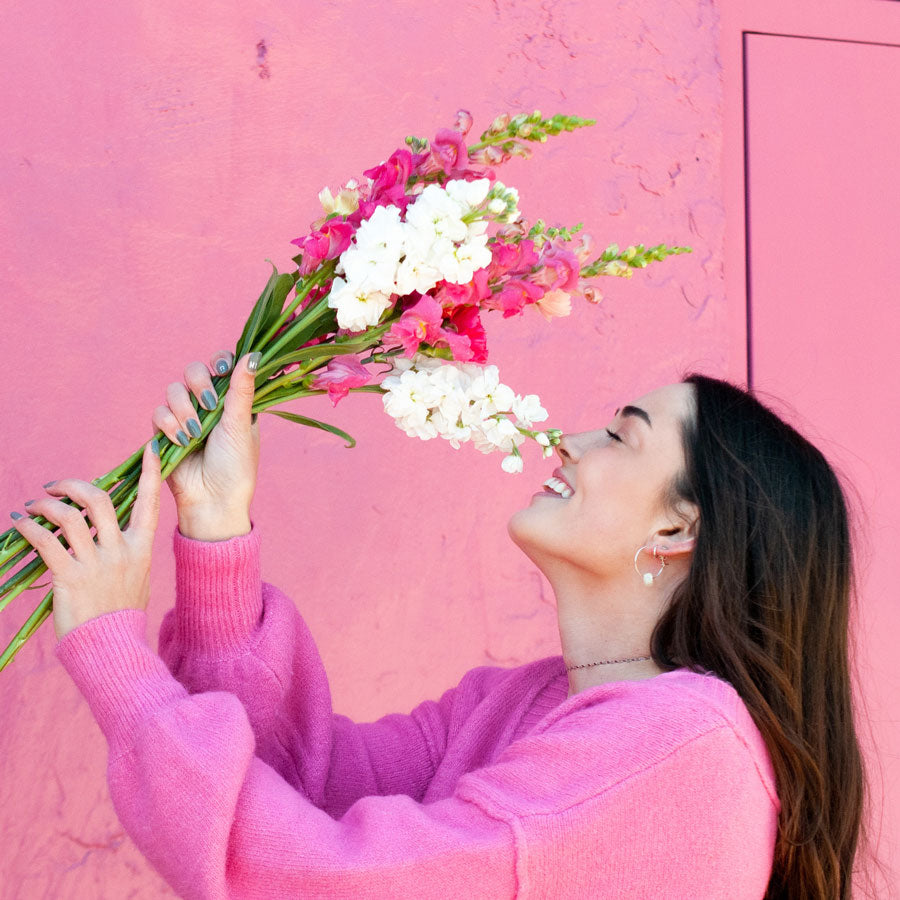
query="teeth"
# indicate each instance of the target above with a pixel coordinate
(560, 487)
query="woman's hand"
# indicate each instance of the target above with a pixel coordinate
(214, 486)
(91, 578)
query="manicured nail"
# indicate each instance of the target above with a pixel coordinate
(49, 483)
(17, 515)
(194, 427)
(154, 446)
(253, 362)
(222, 366)
(28, 502)
(182, 438)
(208, 398)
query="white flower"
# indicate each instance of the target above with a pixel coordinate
(528, 410)
(436, 214)
(468, 194)
(542, 439)
(357, 305)
(512, 463)
(496, 206)
(416, 274)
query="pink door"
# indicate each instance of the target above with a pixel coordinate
(823, 250)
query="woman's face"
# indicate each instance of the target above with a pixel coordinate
(616, 485)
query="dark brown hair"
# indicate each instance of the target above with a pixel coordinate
(766, 606)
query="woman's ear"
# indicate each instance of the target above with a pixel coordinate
(680, 540)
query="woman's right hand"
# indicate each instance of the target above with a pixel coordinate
(213, 487)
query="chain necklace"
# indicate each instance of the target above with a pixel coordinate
(607, 662)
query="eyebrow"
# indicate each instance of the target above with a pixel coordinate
(635, 411)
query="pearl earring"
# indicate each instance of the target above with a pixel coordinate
(649, 576)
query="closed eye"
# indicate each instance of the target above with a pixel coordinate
(614, 436)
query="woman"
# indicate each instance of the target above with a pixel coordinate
(694, 739)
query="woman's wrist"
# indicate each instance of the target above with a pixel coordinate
(212, 524)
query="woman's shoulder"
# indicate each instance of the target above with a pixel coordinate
(648, 720)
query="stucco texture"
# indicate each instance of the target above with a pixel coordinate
(155, 154)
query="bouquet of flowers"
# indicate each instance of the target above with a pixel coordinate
(397, 273)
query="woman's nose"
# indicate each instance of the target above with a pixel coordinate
(566, 449)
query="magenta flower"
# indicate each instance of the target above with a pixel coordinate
(330, 241)
(560, 269)
(391, 174)
(452, 296)
(512, 259)
(419, 323)
(514, 296)
(449, 149)
(466, 320)
(341, 374)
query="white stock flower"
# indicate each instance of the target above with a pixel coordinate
(528, 410)
(358, 305)
(512, 463)
(468, 194)
(436, 214)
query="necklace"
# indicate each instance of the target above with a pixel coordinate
(607, 662)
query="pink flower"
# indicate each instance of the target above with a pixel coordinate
(451, 296)
(554, 303)
(341, 374)
(463, 121)
(559, 270)
(390, 174)
(466, 320)
(514, 296)
(419, 323)
(449, 149)
(512, 258)
(330, 241)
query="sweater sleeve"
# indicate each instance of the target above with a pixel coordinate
(230, 631)
(216, 821)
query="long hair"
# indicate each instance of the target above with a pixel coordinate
(766, 606)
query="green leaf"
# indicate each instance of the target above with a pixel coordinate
(266, 310)
(253, 326)
(313, 423)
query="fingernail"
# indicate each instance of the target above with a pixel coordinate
(154, 446)
(222, 366)
(17, 515)
(28, 502)
(253, 418)
(49, 483)
(194, 427)
(208, 397)
(182, 438)
(253, 362)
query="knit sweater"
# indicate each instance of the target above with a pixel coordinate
(234, 777)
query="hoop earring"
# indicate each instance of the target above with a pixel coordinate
(649, 576)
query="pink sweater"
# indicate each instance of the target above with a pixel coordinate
(234, 777)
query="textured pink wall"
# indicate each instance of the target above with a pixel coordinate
(155, 155)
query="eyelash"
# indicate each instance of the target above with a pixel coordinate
(614, 436)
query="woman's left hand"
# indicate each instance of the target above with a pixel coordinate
(91, 578)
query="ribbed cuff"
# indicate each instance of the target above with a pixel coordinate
(218, 591)
(118, 674)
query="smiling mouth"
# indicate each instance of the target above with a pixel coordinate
(557, 487)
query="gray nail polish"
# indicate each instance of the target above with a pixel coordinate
(182, 438)
(253, 362)
(194, 427)
(209, 399)
(17, 515)
(222, 366)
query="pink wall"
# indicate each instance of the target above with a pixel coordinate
(155, 155)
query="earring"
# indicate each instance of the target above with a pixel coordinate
(649, 576)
